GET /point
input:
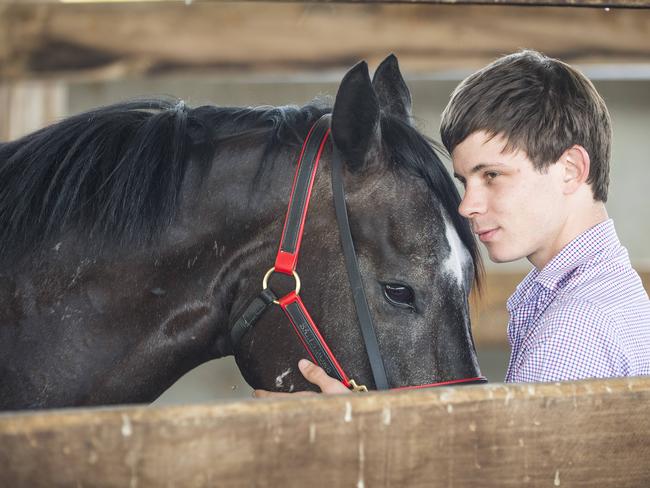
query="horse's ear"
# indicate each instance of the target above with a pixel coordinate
(394, 96)
(355, 117)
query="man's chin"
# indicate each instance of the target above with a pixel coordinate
(499, 260)
(503, 258)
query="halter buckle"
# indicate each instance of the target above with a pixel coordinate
(357, 388)
(265, 282)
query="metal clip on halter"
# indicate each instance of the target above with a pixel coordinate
(357, 388)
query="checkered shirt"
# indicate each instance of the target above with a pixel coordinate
(584, 315)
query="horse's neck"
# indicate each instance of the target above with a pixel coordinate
(102, 321)
(149, 313)
(212, 258)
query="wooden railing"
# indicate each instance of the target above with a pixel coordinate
(587, 433)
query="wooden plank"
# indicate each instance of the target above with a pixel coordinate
(489, 314)
(109, 41)
(590, 433)
(30, 105)
(559, 3)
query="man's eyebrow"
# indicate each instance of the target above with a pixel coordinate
(477, 168)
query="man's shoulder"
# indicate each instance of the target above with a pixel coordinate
(578, 313)
(574, 315)
(606, 292)
(620, 327)
(573, 339)
(606, 282)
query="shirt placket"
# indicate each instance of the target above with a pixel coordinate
(523, 317)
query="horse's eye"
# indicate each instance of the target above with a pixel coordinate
(399, 295)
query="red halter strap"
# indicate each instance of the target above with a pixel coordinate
(287, 257)
(478, 379)
(303, 182)
(311, 337)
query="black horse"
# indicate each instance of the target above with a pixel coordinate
(134, 235)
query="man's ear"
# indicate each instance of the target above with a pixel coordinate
(394, 96)
(576, 163)
(355, 118)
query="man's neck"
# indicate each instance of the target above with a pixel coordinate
(576, 222)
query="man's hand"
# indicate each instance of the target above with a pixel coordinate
(314, 374)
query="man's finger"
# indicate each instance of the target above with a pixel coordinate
(316, 375)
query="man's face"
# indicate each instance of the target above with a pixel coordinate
(515, 210)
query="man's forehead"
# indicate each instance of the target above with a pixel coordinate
(481, 150)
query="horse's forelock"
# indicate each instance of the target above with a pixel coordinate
(414, 152)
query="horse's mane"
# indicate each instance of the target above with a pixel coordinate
(115, 173)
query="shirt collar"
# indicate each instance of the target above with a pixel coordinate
(522, 290)
(577, 252)
(591, 242)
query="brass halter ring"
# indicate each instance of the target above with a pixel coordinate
(265, 281)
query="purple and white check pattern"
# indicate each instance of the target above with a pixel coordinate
(585, 315)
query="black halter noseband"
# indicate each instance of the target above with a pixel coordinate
(287, 258)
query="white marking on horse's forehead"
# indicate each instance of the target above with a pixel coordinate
(459, 257)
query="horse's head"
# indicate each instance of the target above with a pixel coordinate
(416, 256)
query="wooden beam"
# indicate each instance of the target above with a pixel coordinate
(558, 3)
(590, 433)
(489, 313)
(30, 105)
(111, 41)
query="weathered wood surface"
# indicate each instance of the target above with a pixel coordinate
(590, 433)
(560, 3)
(110, 41)
(29, 105)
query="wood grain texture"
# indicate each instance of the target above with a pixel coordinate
(30, 105)
(559, 3)
(589, 433)
(112, 41)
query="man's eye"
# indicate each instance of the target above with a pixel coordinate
(398, 295)
(490, 175)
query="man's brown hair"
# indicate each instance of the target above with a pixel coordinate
(541, 105)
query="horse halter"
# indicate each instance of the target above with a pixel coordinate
(287, 259)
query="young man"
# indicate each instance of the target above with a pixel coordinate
(530, 139)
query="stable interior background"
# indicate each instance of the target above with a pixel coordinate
(57, 60)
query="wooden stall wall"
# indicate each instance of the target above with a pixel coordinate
(589, 433)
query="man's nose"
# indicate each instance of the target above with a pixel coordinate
(472, 204)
